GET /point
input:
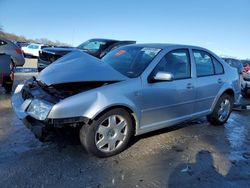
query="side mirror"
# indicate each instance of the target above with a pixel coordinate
(163, 76)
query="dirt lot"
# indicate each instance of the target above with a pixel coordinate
(193, 154)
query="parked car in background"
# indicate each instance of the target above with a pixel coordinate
(6, 72)
(95, 47)
(9, 48)
(246, 64)
(132, 90)
(244, 74)
(247, 68)
(33, 49)
(22, 44)
(235, 63)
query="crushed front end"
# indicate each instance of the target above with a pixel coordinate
(65, 94)
(33, 101)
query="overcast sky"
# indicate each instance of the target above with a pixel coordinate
(222, 26)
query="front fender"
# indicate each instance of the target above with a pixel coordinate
(91, 103)
(89, 106)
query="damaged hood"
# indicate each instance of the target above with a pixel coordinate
(78, 66)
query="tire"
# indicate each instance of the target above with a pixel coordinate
(8, 88)
(39, 69)
(219, 116)
(245, 93)
(7, 84)
(103, 137)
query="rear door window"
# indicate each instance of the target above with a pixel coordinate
(218, 66)
(204, 63)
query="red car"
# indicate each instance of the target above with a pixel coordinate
(246, 77)
(6, 72)
(247, 68)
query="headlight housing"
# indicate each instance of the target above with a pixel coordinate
(39, 109)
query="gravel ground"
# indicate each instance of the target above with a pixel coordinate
(193, 154)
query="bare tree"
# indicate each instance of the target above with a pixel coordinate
(14, 37)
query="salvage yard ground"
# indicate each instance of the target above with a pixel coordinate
(192, 154)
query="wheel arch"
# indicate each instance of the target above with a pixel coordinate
(132, 113)
(228, 91)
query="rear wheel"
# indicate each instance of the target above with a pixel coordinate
(7, 84)
(109, 134)
(39, 69)
(8, 88)
(245, 93)
(222, 110)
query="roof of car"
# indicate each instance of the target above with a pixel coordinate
(112, 40)
(230, 58)
(164, 45)
(9, 41)
(100, 39)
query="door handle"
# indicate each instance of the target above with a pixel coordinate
(190, 86)
(219, 80)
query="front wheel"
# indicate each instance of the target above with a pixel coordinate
(222, 110)
(109, 134)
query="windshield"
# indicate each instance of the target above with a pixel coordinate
(130, 61)
(93, 45)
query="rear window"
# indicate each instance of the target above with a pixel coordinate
(33, 46)
(94, 46)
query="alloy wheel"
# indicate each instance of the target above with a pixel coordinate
(224, 110)
(111, 133)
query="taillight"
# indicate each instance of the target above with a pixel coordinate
(12, 75)
(18, 50)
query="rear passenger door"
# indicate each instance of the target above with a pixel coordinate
(209, 73)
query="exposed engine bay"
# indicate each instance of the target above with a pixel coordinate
(54, 93)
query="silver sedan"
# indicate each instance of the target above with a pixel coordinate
(133, 90)
(9, 48)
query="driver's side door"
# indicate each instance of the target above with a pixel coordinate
(165, 103)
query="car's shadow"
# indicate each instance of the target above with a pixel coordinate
(70, 137)
(167, 129)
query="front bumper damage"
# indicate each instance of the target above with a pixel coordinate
(20, 106)
(41, 129)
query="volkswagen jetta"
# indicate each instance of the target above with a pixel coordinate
(132, 90)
